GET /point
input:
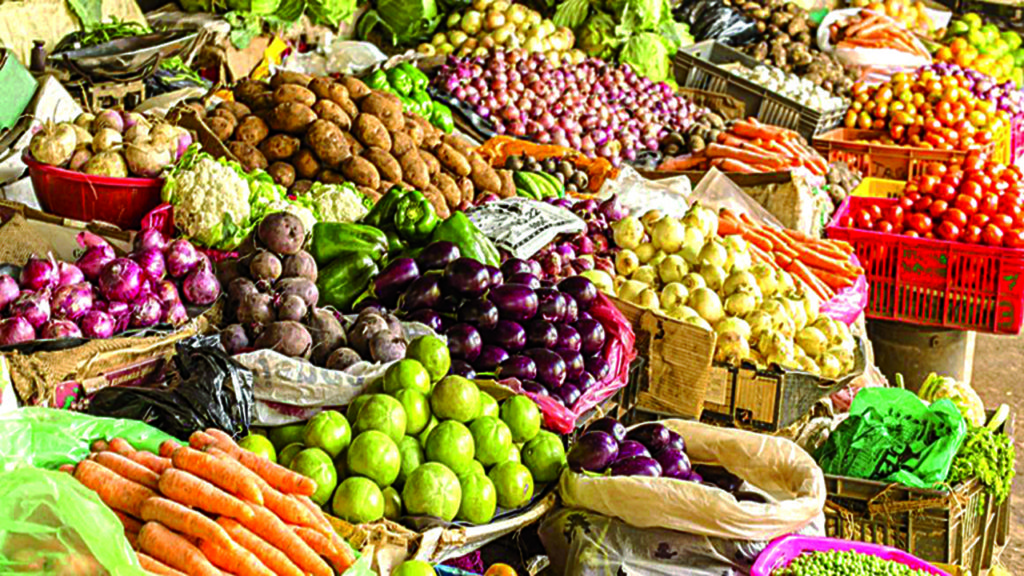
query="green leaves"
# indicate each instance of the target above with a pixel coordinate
(90, 12)
(244, 27)
(400, 21)
(988, 456)
(330, 12)
(571, 13)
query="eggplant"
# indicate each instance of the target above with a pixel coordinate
(541, 334)
(674, 463)
(572, 310)
(653, 435)
(585, 382)
(550, 367)
(466, 277)
(490, 358)
(423, 292)
(514, 301)
(479, 312)
(551, 304)
(719, 476)
(676, 441)
(581, 315)
(519, 367)
(598, 367)
(593, 452)
(525, 278)
(568, 394)
(592, 335)
(464, 341)
(448, 304)
(609, 425)
(535, 387)
(438, 255)
(461, 368)
(394, 279)
(631, 448)
(581, 289)
(514, 266)
(568, 337)
(508, 335)
(497, 278)
(428, 318)
(369, 304)
(573, 363)
(636, 466)
(745, 496)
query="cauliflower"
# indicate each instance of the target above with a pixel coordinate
(210, 198)
(339, 203)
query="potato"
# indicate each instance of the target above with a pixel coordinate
(453, 160)
(331, 177)
(225, 114)
(264, 101)
(385, 106)
(301, 186)
(279, 147)
(361, 172)
(370, 193)
(437, 201)
(321, 87)
(414, 169)
(483, 176)
(337, 92)
(248, 156)
(386, 185)
(287, 337)
(448, 188)
(401, 143)
(357, 90)
(289, 77)
(433, 164)
(386, 165)
(354, 144)
(467, 188)
(458, 142)
(331, 112)
(508, 186)
(282, 173)
(306, 165)
(347, 105)
(221, 127)
(327, 142)
(327, 333)
(237, 109)
(252, 130)
(247, 90)
(415, 132)
(294, 93)
(291, 117)
(371, 132)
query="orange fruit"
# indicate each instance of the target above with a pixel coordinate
(500, 570)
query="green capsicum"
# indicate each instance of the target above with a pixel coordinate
(415, 218)
(345, 278)
(472, 243)
(410, 105)
(423, 100)
(441, 117)
(400, 81)
(419, 79)
(395, 243)
(331, 239)
(379, 81)
(383, 213)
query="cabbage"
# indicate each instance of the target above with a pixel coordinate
(676, 34)
(648, 56)
(403, 21)
(639, 15)
(330, 12)
(597, 37)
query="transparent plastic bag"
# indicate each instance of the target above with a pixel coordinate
(638, 194)
(51, 524)
(873, 58)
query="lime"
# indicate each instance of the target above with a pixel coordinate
(259, 445)
(514, 454)
(451, 444)
(285, 456)
(522, 416)
(475, 467)
(392, 503)
(479, 499)
(406, 374)
(544, 456)
(513, 483)
(412, 456)
(282, 436)
(491, 440)
(382, 413)
(358, 500)
(432, 353)
(414, 568)
(427, 430)
(329, 431)
(352, 412)
(314, 463)
(455, 398)
(374, 455)
(432, 490)
(417, 410)
(488, 405)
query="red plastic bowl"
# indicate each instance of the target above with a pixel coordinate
(119, 201)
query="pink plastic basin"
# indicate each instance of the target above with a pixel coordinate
(785, 549)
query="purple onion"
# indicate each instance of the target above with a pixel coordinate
(91, 263)
(55, 329)
(32, 306)
(9, 290)
(121, 280)
(69, 274)
(97, 324)
(175, 314)
(16, 330)
(201, 285)
(145, 312)
(71, 302)
(149, 239)
(181, 257)
(152, 262)
(39, 273)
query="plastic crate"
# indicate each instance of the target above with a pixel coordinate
(702, 66)
(782, 551)
(935, 282)
(1003, 151)
(1017, 138)
(879, 160)
(879, 188)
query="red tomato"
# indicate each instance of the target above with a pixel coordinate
(972, 188)
(992, 235)
(920, 222)
(863, 219)
(927, 184)
(935, 168)
(938, 208)
(1015, 212)
(908, 200)
(989, 204)
(966, 203)
(1014, 238)
(1009, 199)
(982, 178)
(895, 214)
(974, 162)
(875, 211)
(956, 216)
(972, 234)
(980, 220)
(929, 235)
(945, 192)
(1013, 173)
(911, 233)
(884, 226)
(1003, 221)
(948, 231)
(922, 204)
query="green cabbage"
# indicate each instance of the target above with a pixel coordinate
(639, 15)
(403, 21)
(676, 34)
(597, 36)
(648, 55)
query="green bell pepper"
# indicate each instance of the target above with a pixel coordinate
(400, 81)
(410, 105)
(472, 243)
(341, 282)
(441, 117)
(395, 243)
(419, 79)
(424, 101)
(415, 218)
(331, 239)
(379, 81)
(383, 213)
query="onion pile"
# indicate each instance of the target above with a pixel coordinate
(101, 295)
(645, 450)
(578, 253)
(1005, 94)
(598, 108)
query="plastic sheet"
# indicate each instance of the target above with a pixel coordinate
(869, 58)
(638, 194)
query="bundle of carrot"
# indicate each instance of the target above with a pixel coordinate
(750, 147)
(869, 29)
(212, 508)
(820, 266)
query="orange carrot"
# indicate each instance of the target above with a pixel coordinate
(200, 440)
(190, 490)
(132, 537)
(800, 271)
(269, 527)
(115, 491)
(324, 525)
(213, 470)
(234, 559)
(718, 151)
(763, 256)
(271, 557)
(779, 242)
(834, 281)
(733, 165)
(279, 477)
(167, 448)
(274, 500)
(127, 467)
(184, 520)
(728, 225)
(121, 446)
(129, 523)
(150, 460)
(750, 130)
(680, 163)
(341, 560)
(99, 446)
(818, 260)
(757, 239)
(175, 551)
(730, 140)
(154, 566)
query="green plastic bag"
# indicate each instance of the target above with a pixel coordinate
(49, 438)
(50, 524)
(892, 436)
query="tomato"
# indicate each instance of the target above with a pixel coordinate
(938, 208)
(1013, 173)
(920, 222)
(895, 214)
(972, 234)
(972, 188)
(944, 191)
(911, 233)
(1009, 199)
(929, 235)
(863, 219)
(979, 219)
(956, 216)
(935, 168)
(914, 197)
(922, 204)
(992, 235)
(1014, 238)
(948, 231)
(989, 204)
(884, 227)
(967, 204)
(1003, 221)
(981, 178)
(875, 211)
(974, 162)
(995, 171)
(1014, 212)
(906, 202)
(927, 184)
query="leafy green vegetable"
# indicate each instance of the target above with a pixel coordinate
(90, 12)
(676, 34)
(648, 55)
(571, 13)
(402, 21)
(988, 456)
(638, 15)
(597, 37)
(244, 27)
(290, 10)
(330, 12)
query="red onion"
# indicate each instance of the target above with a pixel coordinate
(166, 292)
(175, 314)
(121, 280)
(55, 329)
(146, 311)
(71, 302)
(9, 290)
(15, 331)
(149, 238)
(201, 285)
(97, 324)
(181, 258)
(69, 274)
(39, 273)
(152, 262)
(32, 306)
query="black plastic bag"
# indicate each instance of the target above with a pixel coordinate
(713, 20)
(204, 388)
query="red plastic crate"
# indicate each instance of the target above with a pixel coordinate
(1016, 139)
(935, 282)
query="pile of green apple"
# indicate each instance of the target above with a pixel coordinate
(421, 442)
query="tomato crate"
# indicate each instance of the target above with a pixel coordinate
(1016, 138)
(934, 282)
(880, 160)
(705, 66)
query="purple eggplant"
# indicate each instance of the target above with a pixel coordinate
(461, 368)
(631, 448)
(368, 303)
(653, 435)
(568, 394)
(514, 266)
(448, 304)
(535, 387)
(581, 289)
(598, 367)
(394, 279)
(674, 463)
(428, 318)
(541, 334)
(525, 278)
(466, 277)
(490, 358)
(519, 367)
(514, 301)
(568, 337)
(479, 312)
(508, 335)
(585, 382)
(637, 466)
(592, 335)
(464, 341)
(424, 292)
(593, 452)
(437, 255)
(581, 315)
(609, 425)
(572, 310)
(573, 363)
(550, 305)
(550, 367)
(676, 441)
(494, 273)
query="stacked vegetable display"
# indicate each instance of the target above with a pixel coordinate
(101, 295)
(972, 43)
(410, 84)
(584, 252)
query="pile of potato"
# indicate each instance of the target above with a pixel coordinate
(302, 129)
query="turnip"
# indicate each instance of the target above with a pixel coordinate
(138, 133)
(79, 159)
(146, 160)
(53, 144)
(184, 141)
(108, 119)
(131, 119)
(106, 139)
(107, 164)
(83, 137)
(85, 120)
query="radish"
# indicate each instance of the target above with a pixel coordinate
(107, 164)
(108, 119)
(146, 160)
(106, 139)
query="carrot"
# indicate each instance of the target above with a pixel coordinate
(68, 468)
(128, 522)
(269, 527)
(150, 460)
(127, 467)
(718, 151)
(175, 551)
(115, 491)
(834, 281)
(99, 446)
(730, 140)
(818, 260)
(167, 448)
(214, 470)
(132, 537)
(190, 490)
(154, 566)
(748, 129)
(779, 242)
(270, 556)
(680, 163)
(763, 256)
(733, 165)
(728, 225)
(234, 559)
(274, 500)
(759, 240)
(341, 560)
(200, 440)
(799, 270)
(279, 477)
(185, 520)
(121, 446)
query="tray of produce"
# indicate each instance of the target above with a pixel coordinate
(125, 56)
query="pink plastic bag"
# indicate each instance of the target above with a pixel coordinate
(847, 305)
